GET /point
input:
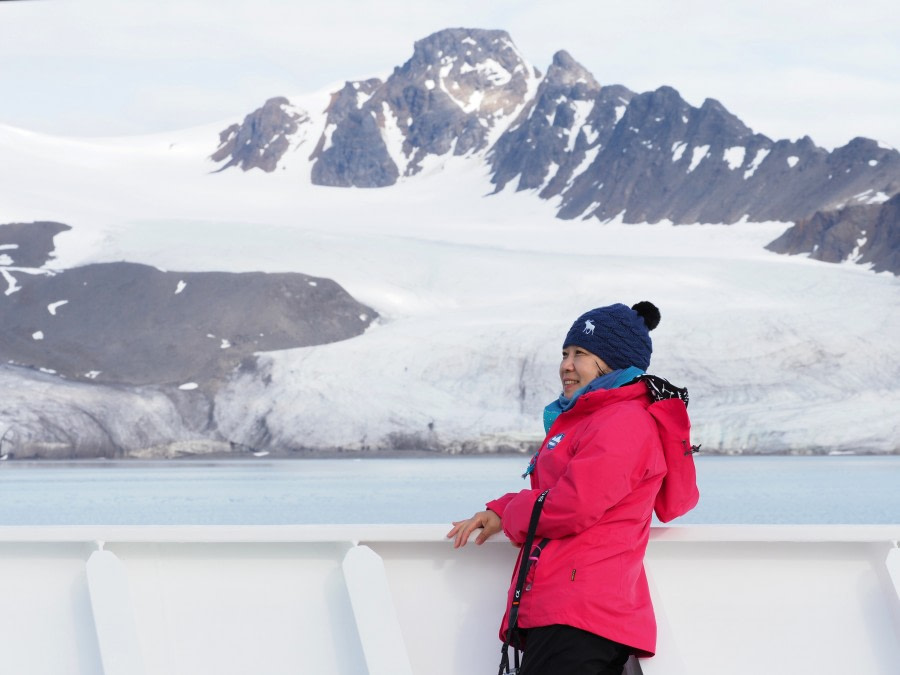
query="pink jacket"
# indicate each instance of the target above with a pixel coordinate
(609, 462)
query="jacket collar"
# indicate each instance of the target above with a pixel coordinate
(591, 401)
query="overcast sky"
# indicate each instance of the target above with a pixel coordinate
(114, 67)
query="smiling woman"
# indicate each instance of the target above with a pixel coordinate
(617, 449)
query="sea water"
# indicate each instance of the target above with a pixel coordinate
(777, 490)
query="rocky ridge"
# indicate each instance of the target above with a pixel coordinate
(867, 234)
(600, 151)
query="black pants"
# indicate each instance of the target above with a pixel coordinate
(563, 650)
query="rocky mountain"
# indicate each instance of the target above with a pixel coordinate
(599, 150)
(868, 234)
(457, 88)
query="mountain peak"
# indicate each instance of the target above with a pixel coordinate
(462, 61)
(566, 70)
(715, 120)
(458, 87)
(461, 42)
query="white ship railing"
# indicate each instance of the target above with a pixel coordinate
(398, 600)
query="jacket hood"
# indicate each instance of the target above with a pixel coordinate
(678, 493)
(667, 405)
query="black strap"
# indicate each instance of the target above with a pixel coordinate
(526, 558)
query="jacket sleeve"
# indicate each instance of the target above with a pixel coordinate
(605, 467)
(498, 505)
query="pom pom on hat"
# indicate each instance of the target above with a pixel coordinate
(618, 334)
(649, 313)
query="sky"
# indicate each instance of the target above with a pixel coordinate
(123, 67)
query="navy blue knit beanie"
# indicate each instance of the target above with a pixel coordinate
(618, 334)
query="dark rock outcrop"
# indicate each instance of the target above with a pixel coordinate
(28, 244)
(548, 132)
(262, 139)
(352, 152)
(867, 234)
(129, 324)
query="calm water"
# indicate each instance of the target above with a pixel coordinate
(799, 490)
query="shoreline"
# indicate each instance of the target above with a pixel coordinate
(299, 457)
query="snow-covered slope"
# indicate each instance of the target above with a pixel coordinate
(475, 293)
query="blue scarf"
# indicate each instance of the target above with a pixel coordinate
(611, 380)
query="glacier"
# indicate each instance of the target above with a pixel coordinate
(474, 290)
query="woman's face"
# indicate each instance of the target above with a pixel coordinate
(579, 368)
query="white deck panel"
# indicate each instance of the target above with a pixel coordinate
(45, 610)
(785, 607)
(223, 600)
(113, 611)
(223, 608)
(375, 614)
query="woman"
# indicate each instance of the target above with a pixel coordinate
(617, 447)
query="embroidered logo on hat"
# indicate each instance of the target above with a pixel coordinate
(589, 327)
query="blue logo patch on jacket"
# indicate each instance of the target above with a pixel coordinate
(553, 442)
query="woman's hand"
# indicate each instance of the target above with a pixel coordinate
(488, 521)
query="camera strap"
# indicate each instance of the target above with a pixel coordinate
(527, 558)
